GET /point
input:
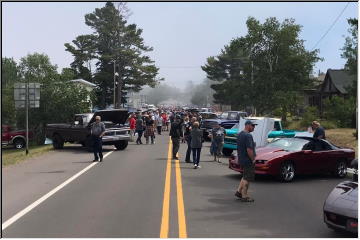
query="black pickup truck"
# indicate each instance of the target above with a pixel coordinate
(79, 131)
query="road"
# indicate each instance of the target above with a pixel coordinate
(140, 192)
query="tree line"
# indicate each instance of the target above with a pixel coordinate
(268, 67)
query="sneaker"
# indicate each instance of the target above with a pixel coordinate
(219, 161)
(238, 194)
(101, 159)
(198, 166)
(195, 166)
(95, 160)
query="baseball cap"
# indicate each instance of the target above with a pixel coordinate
(249, 122)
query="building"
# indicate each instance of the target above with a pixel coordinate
(87, 85)
(335, 83)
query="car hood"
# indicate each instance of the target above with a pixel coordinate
(117, 116)
(268, 153)
(343, 199)
(231, 132)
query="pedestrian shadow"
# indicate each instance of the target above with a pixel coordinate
(84, 162)
(161, 159)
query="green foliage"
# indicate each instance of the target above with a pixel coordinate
(310, 114)
(59, 99)
(113, 40)
(350, 53)
(342, 111)
(265, 69)
(328, 124)
(10, 75)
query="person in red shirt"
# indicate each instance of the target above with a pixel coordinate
(132, 123)
(165, 122)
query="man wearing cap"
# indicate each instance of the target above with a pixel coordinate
(97, 132)
(176, 133)
(319, 132)
(246, 159)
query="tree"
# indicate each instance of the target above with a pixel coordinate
(116, 41)
(265, 69)
(59, 99)
(350, 53)
(10, 75)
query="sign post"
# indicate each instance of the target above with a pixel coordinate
(27, 95)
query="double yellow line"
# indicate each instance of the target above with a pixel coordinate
(164, 229)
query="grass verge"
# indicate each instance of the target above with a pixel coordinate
(343, 137)
(13, 156)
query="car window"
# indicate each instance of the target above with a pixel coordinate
(277, 126)
(223, 115)
(289, 144)
(233, 116)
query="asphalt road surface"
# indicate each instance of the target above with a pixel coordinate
(141, 192)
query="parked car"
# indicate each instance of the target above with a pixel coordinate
(227, 120)
(16, 138)
(116, 133)
(287, 157)
(278, 132)
(341, 206)
(208, 115)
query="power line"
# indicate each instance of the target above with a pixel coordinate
(331, 26)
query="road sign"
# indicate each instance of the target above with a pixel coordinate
(20, 95)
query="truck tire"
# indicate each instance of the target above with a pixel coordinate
(19, 143)
(58, 142)
(121, 145)
(227, 152)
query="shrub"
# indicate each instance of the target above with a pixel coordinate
(328, 124)
(341, 111)
(311, 114)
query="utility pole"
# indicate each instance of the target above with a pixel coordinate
(114, 84)
(119, 88)
(27, 115)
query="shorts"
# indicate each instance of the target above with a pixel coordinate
(249, 172)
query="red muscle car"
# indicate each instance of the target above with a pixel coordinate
(288, 157)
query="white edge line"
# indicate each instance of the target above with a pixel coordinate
(46, 196)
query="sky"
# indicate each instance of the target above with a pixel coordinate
(183, 34)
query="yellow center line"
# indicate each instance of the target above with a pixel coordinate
(180, 202)
(164, 229)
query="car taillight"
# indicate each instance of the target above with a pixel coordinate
(353, 224)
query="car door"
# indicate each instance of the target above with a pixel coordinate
(330, 157)
(310, 158)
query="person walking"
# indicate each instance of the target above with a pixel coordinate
(176, 133)
(187, 137)
(217, 141)
(132, 123)
(319, 132)
(139, 128)
(196, 143)
(149, 129)
(159, 122)
(246, 159)
(97, 132)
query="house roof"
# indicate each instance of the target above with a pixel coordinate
(82, 81)
(340, 78)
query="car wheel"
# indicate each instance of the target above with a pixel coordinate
(58, 142)
(341, 169)
(19, 143)
(227, 152)
(121, 145)
(287, 171)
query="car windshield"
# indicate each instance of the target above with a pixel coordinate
(223, 115)
(289, 144)
(208, 115)
(233, 116)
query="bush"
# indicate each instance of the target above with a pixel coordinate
(341, 111)
(328, 124)
(311, 114)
